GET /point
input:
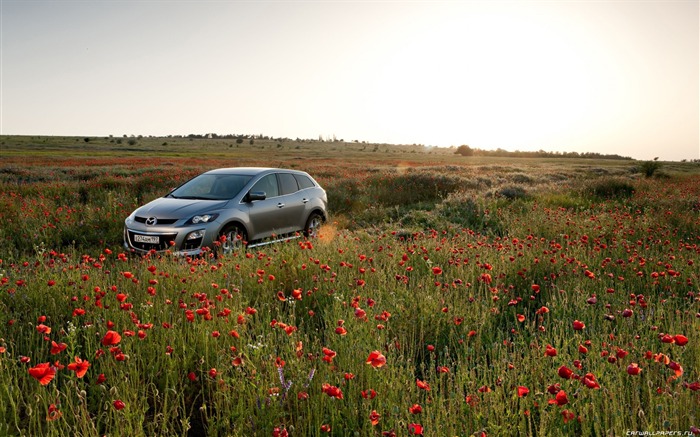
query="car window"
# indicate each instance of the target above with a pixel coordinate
(268, 185)
(303, 181)
(288, 183)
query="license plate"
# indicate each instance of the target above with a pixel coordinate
(150, 239)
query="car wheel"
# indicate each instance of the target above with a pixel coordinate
(313, 225)
(234, 241)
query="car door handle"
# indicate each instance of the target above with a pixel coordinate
(304, 200)
(280, 205)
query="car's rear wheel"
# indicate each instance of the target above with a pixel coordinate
(313, 225)
(232, 239)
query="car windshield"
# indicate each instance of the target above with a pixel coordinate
(211, 187)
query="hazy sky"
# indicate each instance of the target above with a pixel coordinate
(589, 76)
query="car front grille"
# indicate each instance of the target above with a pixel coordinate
(161, 221)
(163, 242)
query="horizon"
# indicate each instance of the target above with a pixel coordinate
(618, 77)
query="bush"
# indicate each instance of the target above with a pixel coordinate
(648, 168)
(610, 188)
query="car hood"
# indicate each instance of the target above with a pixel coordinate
(166, 207)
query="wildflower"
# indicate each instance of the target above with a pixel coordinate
(522, 391)
(332, 391)
(578, 325)
(560, 399)
(565, 372)
(79, 366)
(415, 429)
(549, 351)
(43, 373)
(328, 355)
(53, 413)
(589, 380)
(111, 338)
(680, 340)
(57, 348)
(567, 415)
(374, 417)
(415, 409)
(376, 359)
(437, 271)
(369, 394)
(422, 384)
(634, 369)
(118, 404)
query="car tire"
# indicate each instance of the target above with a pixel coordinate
(235, 239)
(313, 224)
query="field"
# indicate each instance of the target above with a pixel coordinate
(446, 296)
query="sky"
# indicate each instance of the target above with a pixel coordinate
(619, 77)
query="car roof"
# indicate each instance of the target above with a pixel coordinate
(249, 171)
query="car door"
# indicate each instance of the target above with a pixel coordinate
(294, 210)
(266, 216)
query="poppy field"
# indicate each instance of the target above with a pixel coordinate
(446, 296)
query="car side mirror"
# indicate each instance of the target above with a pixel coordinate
(256, 195)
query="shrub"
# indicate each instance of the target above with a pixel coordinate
(512, 192)
(610, 188)
(648, 168)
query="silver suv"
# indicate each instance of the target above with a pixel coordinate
(227, 208)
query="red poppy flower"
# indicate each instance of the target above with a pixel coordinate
(79, 366)
(369, 394)
(415, 429)
(522, 391)
(560, 399)
(111, 338)
(568, 416)
(549, 351)
(634, 369)
(422, 384)
(332, 391)
(437, 271)
(118, 404)
(100, 378)
(340, 330)
(57, 348)
(415, 409)
(680, 340)
(374, 417)
(53, 413)
(376, 359)
(578, 325)
(43, 373)
(565, 372)
(590, 381)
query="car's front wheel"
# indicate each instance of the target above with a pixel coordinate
(231, 239)
(313, 225)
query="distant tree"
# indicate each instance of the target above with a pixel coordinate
(464, 150)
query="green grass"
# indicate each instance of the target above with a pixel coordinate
(449, 285)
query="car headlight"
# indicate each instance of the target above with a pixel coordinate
(203, 218)
(195, 235)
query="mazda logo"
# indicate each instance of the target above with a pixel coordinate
(150, 221)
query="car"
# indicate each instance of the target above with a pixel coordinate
(226, 209)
